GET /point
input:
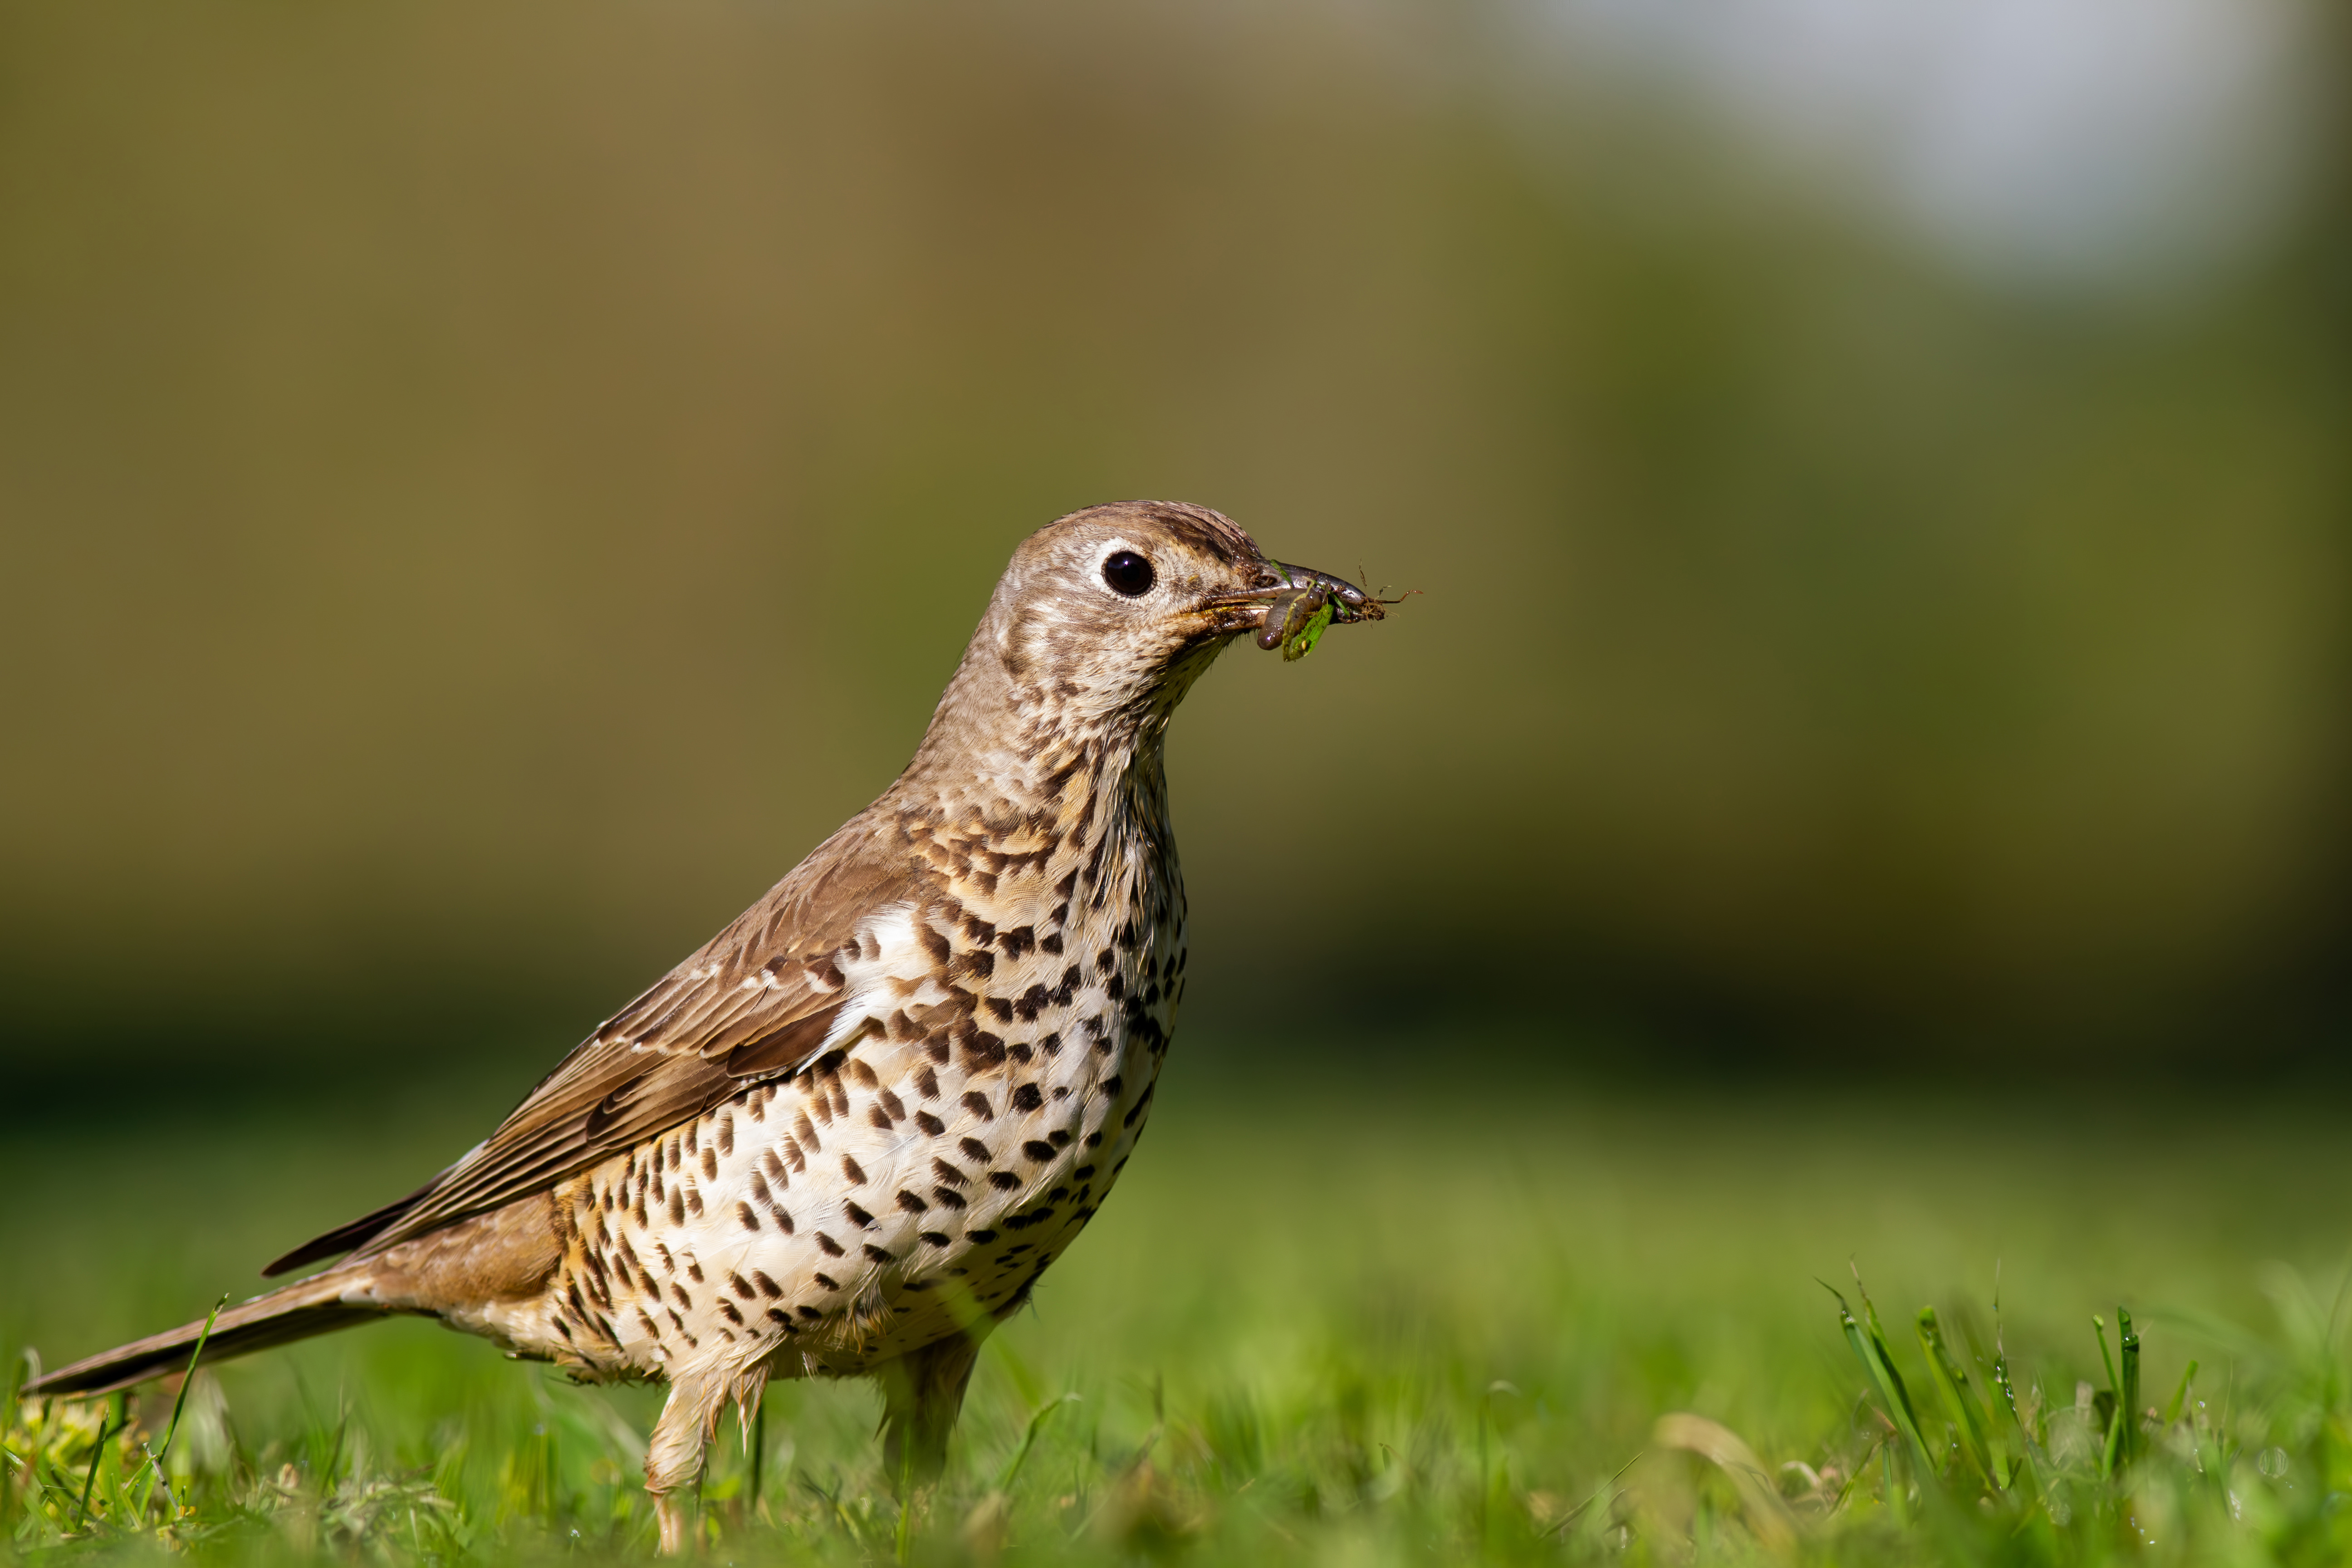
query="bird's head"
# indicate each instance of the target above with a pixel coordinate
(1104, 617)
(1128, 602)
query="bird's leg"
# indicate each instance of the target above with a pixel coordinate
(674, 1454)
(922, 1395)
(670, 1518)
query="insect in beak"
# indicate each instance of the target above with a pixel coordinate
(1294, 613)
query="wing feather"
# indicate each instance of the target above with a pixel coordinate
(754, 1003)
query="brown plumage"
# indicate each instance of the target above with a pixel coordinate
(848, 1133)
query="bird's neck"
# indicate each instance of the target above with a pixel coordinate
(1046, 749)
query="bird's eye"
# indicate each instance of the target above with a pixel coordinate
(1128, 573)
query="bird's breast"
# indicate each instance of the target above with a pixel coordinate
(986, 1079)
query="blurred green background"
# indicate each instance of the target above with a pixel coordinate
(484, 489)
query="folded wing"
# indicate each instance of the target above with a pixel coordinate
(757, 1003)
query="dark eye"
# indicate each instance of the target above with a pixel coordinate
(1128, 573)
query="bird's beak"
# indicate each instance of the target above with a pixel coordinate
(1263, 608)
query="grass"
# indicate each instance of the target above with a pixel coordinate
(1459, 1309)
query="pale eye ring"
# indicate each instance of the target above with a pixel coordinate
(1129, 576)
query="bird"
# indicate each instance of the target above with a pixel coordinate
(847, 1135)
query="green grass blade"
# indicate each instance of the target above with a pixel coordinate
(107, 1431)
(154, 1466)
(2180, 1394)
(2127, 1409)
(1870, 1350)
(1952, 1386)
(1004, 1478)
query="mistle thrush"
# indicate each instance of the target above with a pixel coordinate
(848, 1134)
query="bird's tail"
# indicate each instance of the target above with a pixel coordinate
(314, 1306)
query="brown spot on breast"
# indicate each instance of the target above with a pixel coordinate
(974, 1149)
(929, 1124)
(832, 1248)
(854, 1171)
(977, 1103)
(863, 1220)
(1028, 1098)
(910, 1202)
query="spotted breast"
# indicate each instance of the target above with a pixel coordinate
(990, 1071)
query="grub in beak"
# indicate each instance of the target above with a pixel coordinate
(1296, 608)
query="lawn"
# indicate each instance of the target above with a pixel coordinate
(1440, 1307)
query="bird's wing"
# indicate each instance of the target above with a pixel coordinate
(755, 1002)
